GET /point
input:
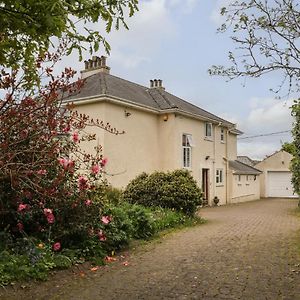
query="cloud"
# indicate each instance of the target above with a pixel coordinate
(149, 30)
(266, 116)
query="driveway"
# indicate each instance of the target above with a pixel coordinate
(244, 251)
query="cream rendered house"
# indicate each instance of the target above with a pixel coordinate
(162, 132)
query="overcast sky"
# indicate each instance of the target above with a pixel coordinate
(176, 40)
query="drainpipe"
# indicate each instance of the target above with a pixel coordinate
(227, 168)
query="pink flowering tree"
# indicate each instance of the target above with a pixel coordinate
(47, 183)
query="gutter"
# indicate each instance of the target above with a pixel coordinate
(123, 102)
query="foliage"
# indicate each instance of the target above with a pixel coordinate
(295, 166)
(28, 27)
(46, 180)
(266, 35)
(289, 147)
(176, 190)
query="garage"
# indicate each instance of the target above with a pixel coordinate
(279, 184)
(276, 177)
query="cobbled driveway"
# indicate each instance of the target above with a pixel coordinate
(244, 251)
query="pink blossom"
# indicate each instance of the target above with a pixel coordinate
(106, 219)
(104, 162)
(41, 172)
(56, 246)
(50, 218)
(47, 211)
(88, 202)
(67, 164)
(95, 169)
(83, 183)
(20, 226)
(75, 137)
(22, 207)
(67, 128)
(101, 236)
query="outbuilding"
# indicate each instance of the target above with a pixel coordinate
(276, 177)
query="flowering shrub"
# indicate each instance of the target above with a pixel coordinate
(47, 183)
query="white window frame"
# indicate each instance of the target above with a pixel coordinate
(187, 144)
(209, 125)
(219, 176)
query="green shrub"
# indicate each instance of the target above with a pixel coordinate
(176, 190)
(142, 221)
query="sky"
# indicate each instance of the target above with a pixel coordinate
(177, 41)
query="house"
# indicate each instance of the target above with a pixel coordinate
(276, 176)
(162, 132)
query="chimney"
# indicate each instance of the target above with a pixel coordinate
(95, 65)
(156, 83)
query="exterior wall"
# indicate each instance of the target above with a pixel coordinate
(279, 161)
(244, 190)
(207, 153)
(154, 142)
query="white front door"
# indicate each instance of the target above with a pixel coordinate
(279, 184)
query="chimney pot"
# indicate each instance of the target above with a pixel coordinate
(155, 82)
(151, 83)
(90, 64)
(95, 65)
(159, 83)
(103, 61)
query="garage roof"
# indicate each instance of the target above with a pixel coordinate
(242, 169)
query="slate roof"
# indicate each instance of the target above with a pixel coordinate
(102, 84)
(242, 169)
(247, 160)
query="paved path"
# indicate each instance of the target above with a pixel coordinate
(245, 251)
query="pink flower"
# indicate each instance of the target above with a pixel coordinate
(50, 218)
(67, 128)
(75, 137)
(101, 236)
(83, 183)
(104, 162)
(49, 215)
(22, 207)
(41, 172)
(88, 202)
(20, 226)
(47, 211)
(56, 246)
(95, 169)
(106, 219)
(67, 164)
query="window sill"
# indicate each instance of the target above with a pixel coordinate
(219, 185)
(222, 142)
(209, 139)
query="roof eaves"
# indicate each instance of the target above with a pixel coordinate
(105, 97)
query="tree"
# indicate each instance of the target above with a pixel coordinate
(27, 27)
(266, 34)
(47, 182)
(289, 147)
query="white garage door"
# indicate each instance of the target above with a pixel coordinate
(279, 184)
